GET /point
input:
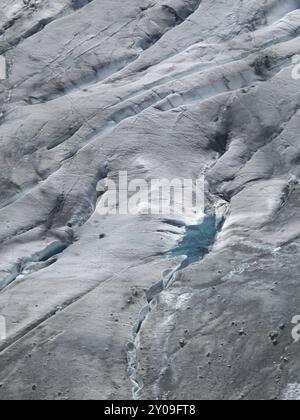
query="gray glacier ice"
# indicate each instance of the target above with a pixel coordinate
(107, 306)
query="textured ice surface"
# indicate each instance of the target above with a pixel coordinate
(292, 392)
(161, 89)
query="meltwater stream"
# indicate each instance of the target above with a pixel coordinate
(195, 244)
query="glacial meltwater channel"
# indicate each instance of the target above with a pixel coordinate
(194, 246)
